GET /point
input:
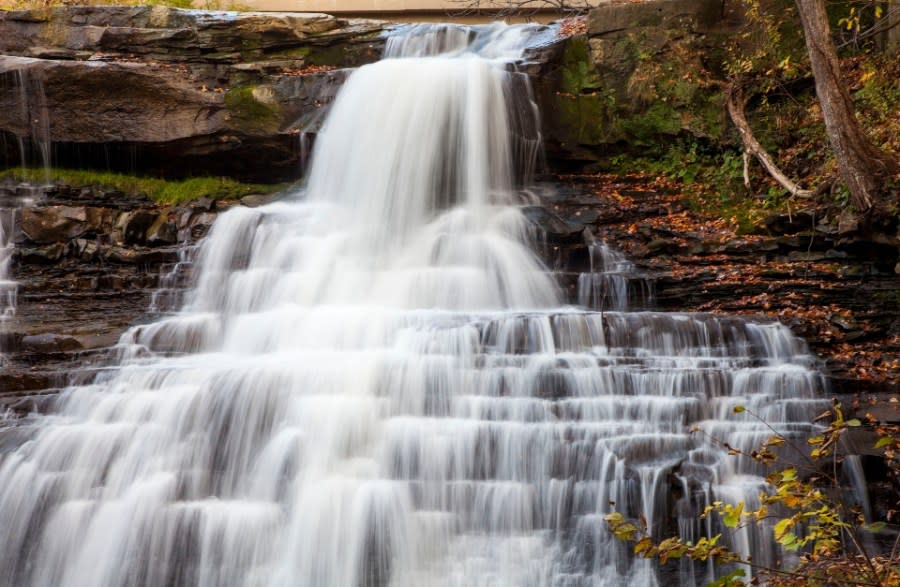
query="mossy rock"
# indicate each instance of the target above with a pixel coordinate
(635, 89)
(644, 128)
(253, 109)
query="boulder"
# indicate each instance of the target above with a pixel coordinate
(132, 228)
(162, 232)
(53, 224)
(100, 102)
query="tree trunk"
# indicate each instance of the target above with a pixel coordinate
(863, 167)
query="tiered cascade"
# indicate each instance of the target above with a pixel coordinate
(376, 382)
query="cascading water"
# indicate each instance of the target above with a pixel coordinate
(375, 383)
(8, 287)
(612, 282)
(35, 125)
(33, 137)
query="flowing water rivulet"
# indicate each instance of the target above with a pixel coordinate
(376, 382)
(8, 287)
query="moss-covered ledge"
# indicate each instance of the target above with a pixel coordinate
(640, 76)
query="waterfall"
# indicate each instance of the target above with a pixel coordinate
(33, 136)
(376, 382)
(8, 287)
(612, 283)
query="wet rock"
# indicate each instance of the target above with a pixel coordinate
(84, 249)
(843, 323)
(141, 255)
(781, 224)
(41, 255)
(662, 245)
(255, 201)
(203, 204)
(199, 225)
(552, 227)
(581, 216)
(54, 223)
(132, 227)
(49, 343)
(162, 232)
(806, 256)
(134, 99)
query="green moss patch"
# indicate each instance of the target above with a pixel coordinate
(249, 113)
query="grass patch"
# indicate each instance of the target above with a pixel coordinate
(161, 190)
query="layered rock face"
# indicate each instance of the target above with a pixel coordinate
(178, 92)
(88, 263)
(172, 92)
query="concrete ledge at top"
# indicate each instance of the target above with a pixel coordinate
(618, 15)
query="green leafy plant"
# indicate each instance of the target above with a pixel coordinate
(810, 517)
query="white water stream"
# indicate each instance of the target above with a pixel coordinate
(375, 382)
(8, 287)
(35, 120)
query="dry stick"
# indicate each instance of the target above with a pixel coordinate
(736, 102)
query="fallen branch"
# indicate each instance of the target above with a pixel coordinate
(736, 103)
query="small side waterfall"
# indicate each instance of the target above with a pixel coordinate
(33, 136)
(34, 144)
(8, 287)
(612, 282)
(376, 382)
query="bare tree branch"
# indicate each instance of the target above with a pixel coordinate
(736, 103)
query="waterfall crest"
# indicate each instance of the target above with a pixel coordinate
(375, 383)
